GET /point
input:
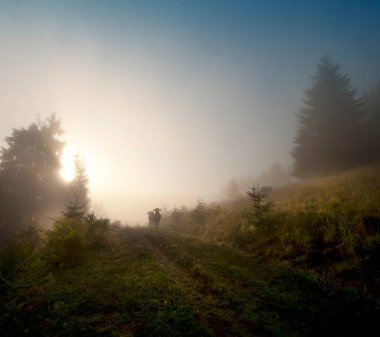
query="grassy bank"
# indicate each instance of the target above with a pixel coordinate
(330, 225)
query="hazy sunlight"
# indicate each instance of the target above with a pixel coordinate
(67, 161)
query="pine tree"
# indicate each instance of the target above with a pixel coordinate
(329, 124)
(79, 201)
(30, 183)
(199, 216)
(260, 207)
(373, 126)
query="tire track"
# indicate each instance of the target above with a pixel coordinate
(218, 320)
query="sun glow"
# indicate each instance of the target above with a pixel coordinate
(67, 161)
(93, 168)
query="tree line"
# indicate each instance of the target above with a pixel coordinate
(337, 130)
(31, 188)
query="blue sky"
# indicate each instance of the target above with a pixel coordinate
(204, 90)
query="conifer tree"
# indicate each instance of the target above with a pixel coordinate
(79, 201)
(329, 124)
(30, 183)
(373, 126)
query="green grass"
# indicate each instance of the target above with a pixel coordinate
(310, 268)
(168, 284)
(270, 298)
(124, 292)
(329, 225)
(332, 225)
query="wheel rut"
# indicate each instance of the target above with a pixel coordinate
(219, 320)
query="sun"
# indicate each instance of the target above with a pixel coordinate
(94, 169)
(67, 162)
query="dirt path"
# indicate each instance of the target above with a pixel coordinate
(217, 319)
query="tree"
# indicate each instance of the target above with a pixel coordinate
(373, 125)
(79, 201)
(260, 207)
(329, 124)
(30, 183)
(175, 217)
(199, 216)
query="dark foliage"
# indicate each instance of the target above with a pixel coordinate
(78, 189)
(30, 184)
(373, 124)
(331, 131)
(260, 207)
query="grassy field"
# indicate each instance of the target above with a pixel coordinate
(163, 283)
(308, 267)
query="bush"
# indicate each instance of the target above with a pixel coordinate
(20, 260)
(12, 259)
(98, 231)
(71, 236)
(67, 242)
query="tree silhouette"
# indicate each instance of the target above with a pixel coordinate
(260, 207)
(329, 124)
(30, 184)
(199, 216)
(78, 189)
(373, 126)
(175, 217)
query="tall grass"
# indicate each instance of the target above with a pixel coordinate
(330, 224)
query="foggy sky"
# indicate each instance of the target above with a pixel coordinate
(168, 100)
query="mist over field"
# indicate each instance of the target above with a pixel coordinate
(166, 101)
(189, 168)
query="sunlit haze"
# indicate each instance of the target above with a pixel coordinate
(167, 101)
(68, 168)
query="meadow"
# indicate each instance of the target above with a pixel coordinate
(307, 266)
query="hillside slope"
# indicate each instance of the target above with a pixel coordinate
(329, 225)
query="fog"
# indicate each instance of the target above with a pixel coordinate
(167, 103)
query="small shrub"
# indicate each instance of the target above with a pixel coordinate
(98, 230)
(12, 260)
(198, 217)
(260, 209)
(67, 242)
(21, 264)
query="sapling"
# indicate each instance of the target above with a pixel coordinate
(260, 206)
